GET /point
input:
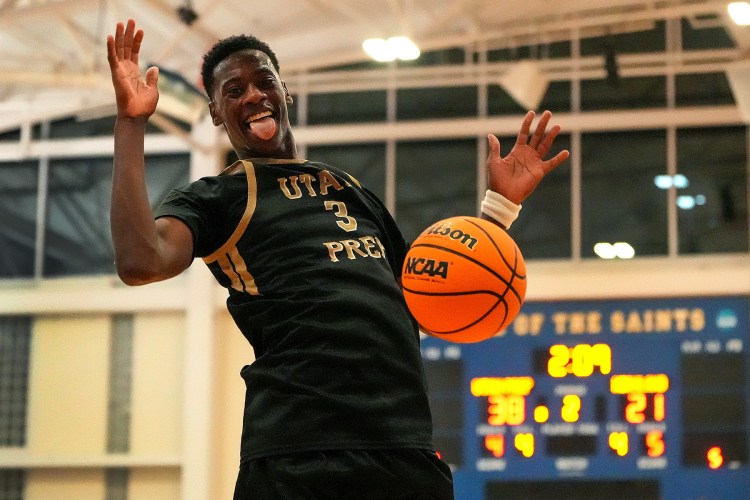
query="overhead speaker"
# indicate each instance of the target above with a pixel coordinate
(738, 74)
(525, 83)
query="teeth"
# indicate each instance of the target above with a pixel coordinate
(258, 116)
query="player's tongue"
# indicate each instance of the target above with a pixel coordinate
(264, 128)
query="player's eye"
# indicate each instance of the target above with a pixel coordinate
(268, 82)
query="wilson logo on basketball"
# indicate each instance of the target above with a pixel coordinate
(430, 267)
(445, 229)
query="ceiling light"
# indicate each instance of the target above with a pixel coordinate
(605, 250)
(680, 181)
(689, 202)
(667, 181)
(739, 12)
(624, 250)
(663, 181)
(686, 202)
(619, 250)
(396, 47)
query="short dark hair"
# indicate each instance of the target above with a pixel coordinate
(225, 48)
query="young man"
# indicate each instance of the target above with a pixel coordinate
(336, 403)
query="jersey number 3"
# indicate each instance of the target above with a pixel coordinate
(347, 223)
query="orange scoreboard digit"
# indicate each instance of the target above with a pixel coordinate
(648, 397)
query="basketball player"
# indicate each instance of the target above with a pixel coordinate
(336, 403)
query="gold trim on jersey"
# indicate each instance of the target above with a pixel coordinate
(227, 256)
(233, 265)
(235, 167)
(354, 180)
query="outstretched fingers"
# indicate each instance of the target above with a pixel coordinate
(152, 76)
(127, 45)
(494, 146)
(538, 136)
(111, 52)
(551, 164)
(118, 41)
(136, 46)
(523, 134)
(543, 146)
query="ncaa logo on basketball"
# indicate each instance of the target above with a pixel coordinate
(463, 279)
(445, 229)
(430, 267)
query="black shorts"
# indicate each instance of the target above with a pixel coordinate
(346, 474)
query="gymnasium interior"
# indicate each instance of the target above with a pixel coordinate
(626, 374)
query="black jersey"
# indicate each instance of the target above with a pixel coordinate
(311, 261)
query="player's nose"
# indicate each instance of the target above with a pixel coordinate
(252, 95)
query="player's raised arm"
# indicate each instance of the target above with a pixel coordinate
(145, 250)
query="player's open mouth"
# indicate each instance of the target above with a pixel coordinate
(258, 116)
(262, 125)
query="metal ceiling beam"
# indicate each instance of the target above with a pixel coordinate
(582, 22)
(532, 31)
(599, 121)
(589, 68)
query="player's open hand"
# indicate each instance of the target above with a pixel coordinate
(516, 175)
(136, 97)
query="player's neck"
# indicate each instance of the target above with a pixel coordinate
(287, 150)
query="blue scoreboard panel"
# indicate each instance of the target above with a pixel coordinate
(627, 399)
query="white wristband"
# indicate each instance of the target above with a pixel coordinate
(500, 208)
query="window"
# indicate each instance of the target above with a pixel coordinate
(651, 39)
(365, 162)
(347, 107)
(543, 228)
(713, 206)
(78, 240)
(120, 384)
(619, 200)
(552, 50)
(425, 103)
(12, 482)
(19, 183)
(711, 36)
(434, 180)
(10, 136)
(71, 127)
(15, 340)
(437, 58)
(556, 99)
(705, 89)
(627, 93)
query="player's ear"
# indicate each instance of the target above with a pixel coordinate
(214, 115)
(288, 96)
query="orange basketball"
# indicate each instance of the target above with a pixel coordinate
(464, 279)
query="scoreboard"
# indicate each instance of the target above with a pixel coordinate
(623, 399)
